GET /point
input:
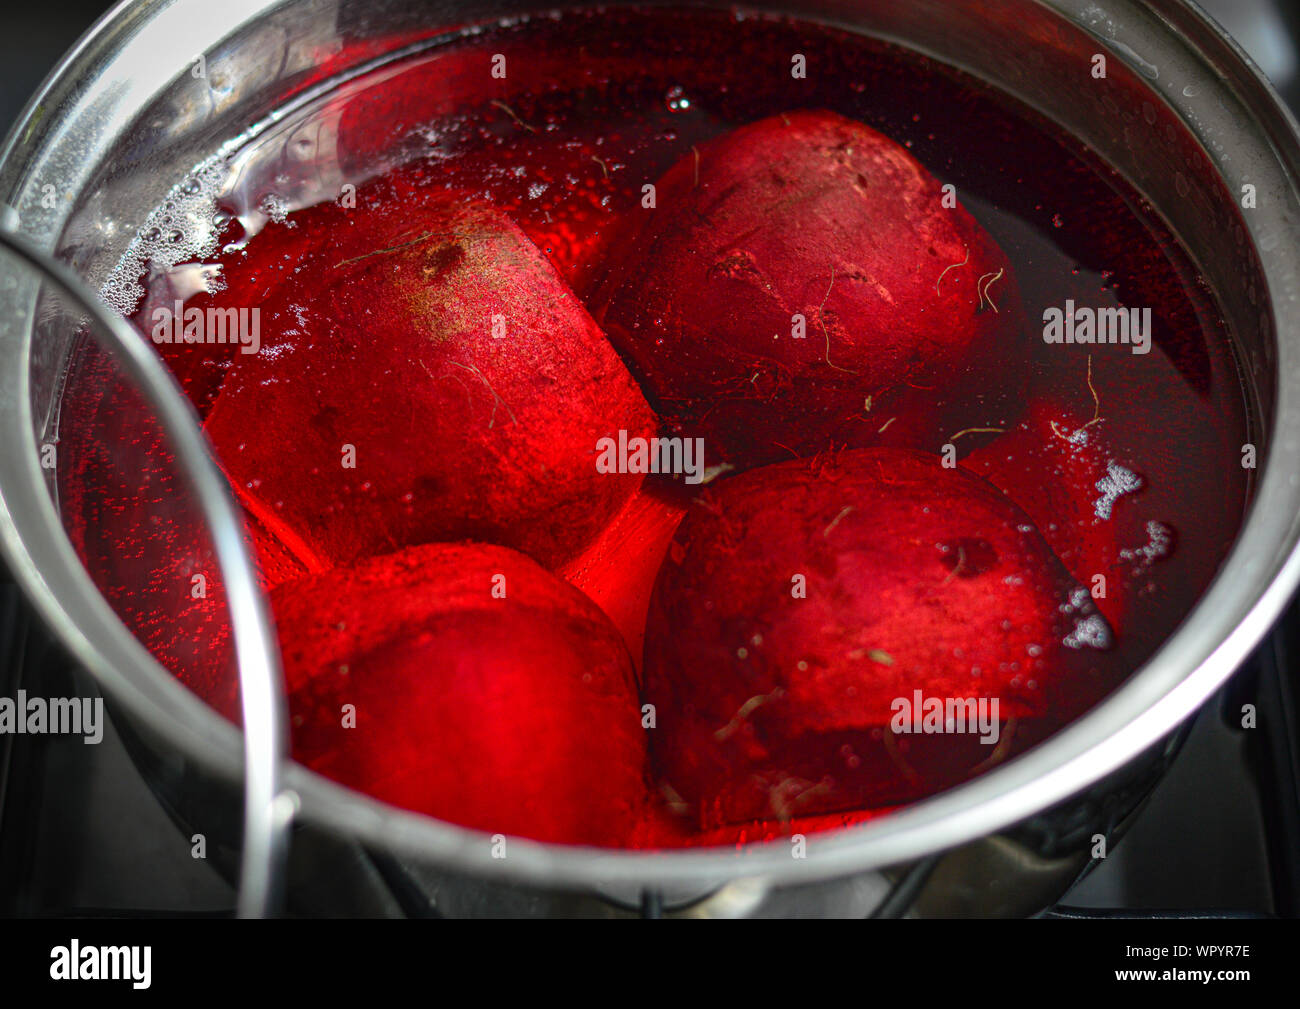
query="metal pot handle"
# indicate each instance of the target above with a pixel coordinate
(268, 807)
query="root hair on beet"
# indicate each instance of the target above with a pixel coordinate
(785, 808)
(496, 399)
(422, 237)
(960, 565)
(821, 318)
(1000, 751)
(983, 288)
(1096, 410)
(977, 430)
(511, 113)
(743, 713)
(712, 473)
(674, 799)
(952, 267)
(836, 521)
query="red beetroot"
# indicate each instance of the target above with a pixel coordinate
(906, 304)
(917, 577)
(1058, 466)
(515, 714)
(471, 386)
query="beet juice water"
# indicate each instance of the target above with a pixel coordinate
(664, 428)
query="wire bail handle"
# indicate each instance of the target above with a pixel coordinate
(269, 808)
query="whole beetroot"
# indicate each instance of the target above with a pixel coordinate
(425, 376)
(802, 601)
(1057, 465)
(800, 281)
(484, 690)
(1114, 502)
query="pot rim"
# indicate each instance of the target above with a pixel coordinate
(1216, 637)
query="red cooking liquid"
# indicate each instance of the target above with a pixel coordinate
(594, 106)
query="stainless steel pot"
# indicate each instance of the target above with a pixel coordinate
(1186, 118)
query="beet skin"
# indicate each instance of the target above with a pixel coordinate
(906, 305)
(426, 376)
(516, 715)
(801, 600)
(1057, 465)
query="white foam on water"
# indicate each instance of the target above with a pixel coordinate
(292, 164)
(1090, 632)
(181, 231)
(1117, 482)
(1090, 627)
(1160, 540)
